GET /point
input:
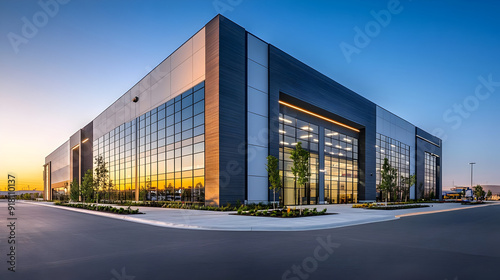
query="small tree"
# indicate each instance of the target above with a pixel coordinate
(87, 187)
(74, 190)
(407, 182)
(101, 178)
(388, 176)
(479, 192)
(274, 176)
(300, 168)
(143, 193)
(112, 191)
(489, 194)
(64, 195)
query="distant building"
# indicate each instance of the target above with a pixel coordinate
(495, 189)
(18, 193)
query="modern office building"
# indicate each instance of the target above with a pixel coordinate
(200, 125)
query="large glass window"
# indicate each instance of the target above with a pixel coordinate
(398, 155)
(341, 167)
(162, 151)
(430, 176)
(292, 131)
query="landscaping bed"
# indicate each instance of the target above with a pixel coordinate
(196, 205)
(108, 209)
(389, 206)
(472, 202)
(283, 213)
(397, 207)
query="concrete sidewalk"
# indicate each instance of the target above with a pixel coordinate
(344, 215)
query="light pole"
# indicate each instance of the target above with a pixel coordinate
(471, 172)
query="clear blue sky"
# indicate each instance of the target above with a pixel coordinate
(420, 66)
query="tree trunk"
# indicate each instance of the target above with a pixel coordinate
(274, 199)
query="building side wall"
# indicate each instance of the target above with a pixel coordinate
(399, 129)
(60, 164)
(257, 119)
(395, 127)
(182, 70)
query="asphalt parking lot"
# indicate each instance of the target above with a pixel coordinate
(59, 244)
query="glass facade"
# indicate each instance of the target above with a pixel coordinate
(292, 131)
(162, 151)
(340, 162)
(341, 167)
(398, 155)
(430, 176)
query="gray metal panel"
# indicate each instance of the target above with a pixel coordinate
(87, 148)
(59, 161)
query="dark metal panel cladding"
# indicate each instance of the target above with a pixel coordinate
(232, 114)
(87, 148)
(225, 111)
(430, 144)
(428, 136)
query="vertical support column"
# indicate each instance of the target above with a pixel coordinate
(80, 151)
(136, 180)
(225, 88)
(257, 112)
(212, 112)
(47, 189)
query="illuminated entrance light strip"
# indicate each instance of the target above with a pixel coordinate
(285, 120)
(317, 116)
(418, 136)
(87, 139)
(76, 147)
